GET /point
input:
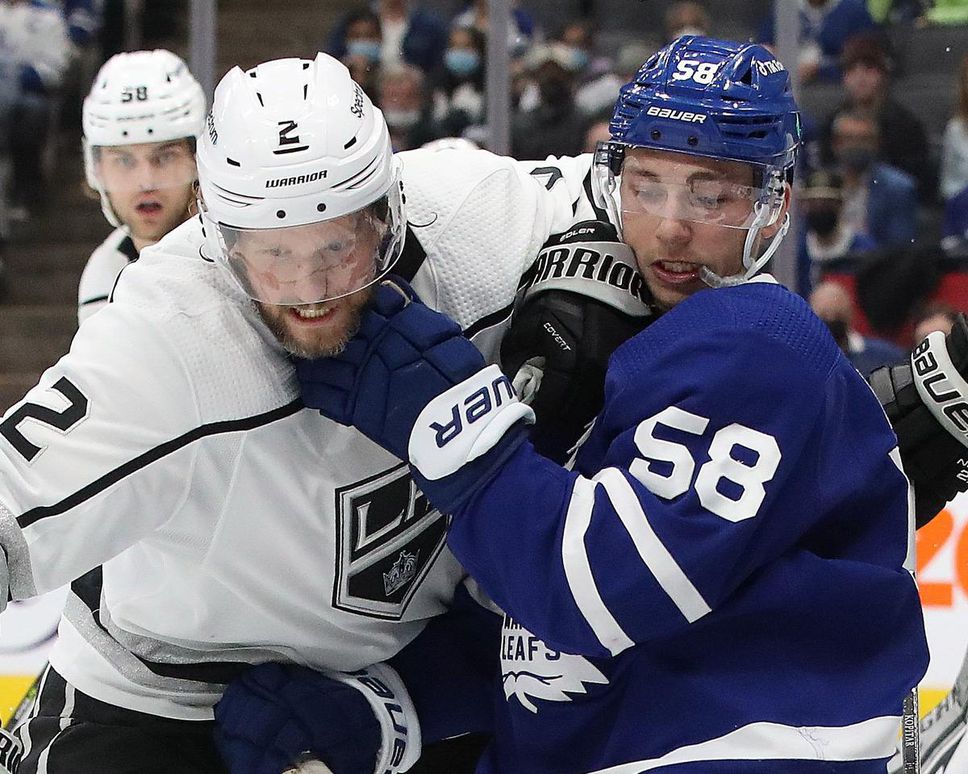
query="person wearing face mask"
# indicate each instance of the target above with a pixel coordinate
(363, 43)
(686, 18)
(867, 67)
(879, 200)
(832, 304)
(554, 126)
(825, 26)
(826, 242)
(458, 100)
(402, 95)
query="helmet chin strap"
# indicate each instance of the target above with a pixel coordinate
(752, 266)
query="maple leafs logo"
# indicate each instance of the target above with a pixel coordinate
(532, 670)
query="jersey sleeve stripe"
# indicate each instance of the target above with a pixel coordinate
(871, 739)
(578, 572)
(653, 553)
(910, 560)
(228, 426)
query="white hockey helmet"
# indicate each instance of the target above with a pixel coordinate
(139, 97)
(300, 193)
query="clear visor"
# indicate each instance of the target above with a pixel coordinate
(141, 169)
(720, 195)
(719, 202)
(315, 262)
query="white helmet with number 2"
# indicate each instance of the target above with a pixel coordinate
(300, 193)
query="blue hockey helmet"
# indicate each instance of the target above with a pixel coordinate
(713, 98)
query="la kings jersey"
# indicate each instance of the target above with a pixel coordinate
(101, 272)
(720, 586)
(234, 526)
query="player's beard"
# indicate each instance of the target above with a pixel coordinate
(325, 340)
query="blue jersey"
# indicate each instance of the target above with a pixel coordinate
(720, 584)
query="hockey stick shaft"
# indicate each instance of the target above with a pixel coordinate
(26, 702)
(910, 734)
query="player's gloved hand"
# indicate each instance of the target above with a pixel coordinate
(279, 715)
(410, 381)
(10, 752)
(569, 323)
(926, 402)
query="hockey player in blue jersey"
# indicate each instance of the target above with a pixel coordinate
(721, 583)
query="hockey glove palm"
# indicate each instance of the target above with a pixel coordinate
(276, 715)
(412, 383)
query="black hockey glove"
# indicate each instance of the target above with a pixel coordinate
(926, 401)
(583, 298)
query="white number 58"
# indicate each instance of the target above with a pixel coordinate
(721, 466)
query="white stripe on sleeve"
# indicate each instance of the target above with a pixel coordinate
(654, 554)
(578, 571)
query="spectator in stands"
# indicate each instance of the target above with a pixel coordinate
(879, 200)
(832, 304)
(364, 44)
(596, 132)
(34, 52)
(596, 83)
(404, 99)
(903, 139)
(409, 34)
(954, 146)
(139, 156)
(554, 126)
(826, 243)
(458, 100)
(522, 31)
(954, 225)
(84, 19)
(686, 18)
(825, 27)
(935, 316)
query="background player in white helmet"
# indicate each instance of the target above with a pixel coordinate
(141, 121)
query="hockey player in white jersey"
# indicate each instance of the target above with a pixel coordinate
(141, 121)
(722, 583)
(170, 447)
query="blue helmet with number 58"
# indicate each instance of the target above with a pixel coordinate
(714, 98)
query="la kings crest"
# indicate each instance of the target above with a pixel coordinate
(388, 537)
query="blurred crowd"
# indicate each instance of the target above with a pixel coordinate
(882, 194)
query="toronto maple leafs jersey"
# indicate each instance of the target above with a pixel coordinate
(169, 447)
(101, 272)
(721, 584)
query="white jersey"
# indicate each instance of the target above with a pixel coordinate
(101, 272)
(234, 526)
